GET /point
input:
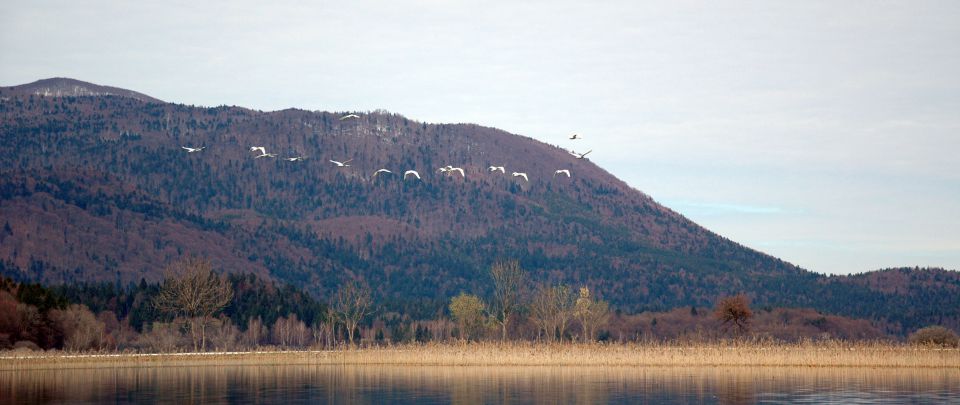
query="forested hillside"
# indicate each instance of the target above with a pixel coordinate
(99, 188)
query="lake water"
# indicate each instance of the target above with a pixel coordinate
(291, 384)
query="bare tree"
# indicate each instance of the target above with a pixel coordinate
(552, 309)
(328, 328)
(162, 337)
(301, 333)
(735, 309)
(582, 311)
(542, 311)
(318, 333)
(508, 279)
(591, 313)
(290, 332)
(441, 329)
(353, 303)
(253, 336)
(81, 328)
(223, 335)
(193, 290)
(282, 332)
(564, 302)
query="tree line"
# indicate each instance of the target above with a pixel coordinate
(196, 308)
(552, 309)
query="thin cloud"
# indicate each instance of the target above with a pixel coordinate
(703, 208)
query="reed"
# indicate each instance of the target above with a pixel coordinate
(649, 354)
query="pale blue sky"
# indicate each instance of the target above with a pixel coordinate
(825, 133)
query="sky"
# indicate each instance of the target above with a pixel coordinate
(824, 133)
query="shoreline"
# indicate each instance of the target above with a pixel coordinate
(808, 355)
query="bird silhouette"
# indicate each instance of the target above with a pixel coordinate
(580, 155)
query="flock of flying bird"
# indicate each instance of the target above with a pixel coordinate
(449, 169)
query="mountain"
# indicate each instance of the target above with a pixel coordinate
(98, 188)
(64, 87)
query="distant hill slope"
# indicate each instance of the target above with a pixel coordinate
(904, 298)
(64, 87)
(98, 188)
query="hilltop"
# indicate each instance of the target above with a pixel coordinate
(66, 87)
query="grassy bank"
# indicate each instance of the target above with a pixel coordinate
(826, 354)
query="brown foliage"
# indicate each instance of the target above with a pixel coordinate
(9, 321)
(162, 337)
(781, 324)
(223, 335)
(736, 310)
(81, 328)
(934, 335)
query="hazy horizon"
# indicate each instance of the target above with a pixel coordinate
(824, 134)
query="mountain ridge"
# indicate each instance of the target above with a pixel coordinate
(108, 192)
(67, 87)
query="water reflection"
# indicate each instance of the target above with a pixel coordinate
(253, 383)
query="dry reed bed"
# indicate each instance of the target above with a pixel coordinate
(823, 354)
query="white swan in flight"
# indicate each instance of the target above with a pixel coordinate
(580, 155)
(575, 136)
(191, 150)
(411, 172)
(524, 175)
(268, 155)
(496, 168)
(562, 171)
(341, 164)
(258, 148)
(348, 116)
(381, 171)
(457, 169)
(445, 169)
(294, 159)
